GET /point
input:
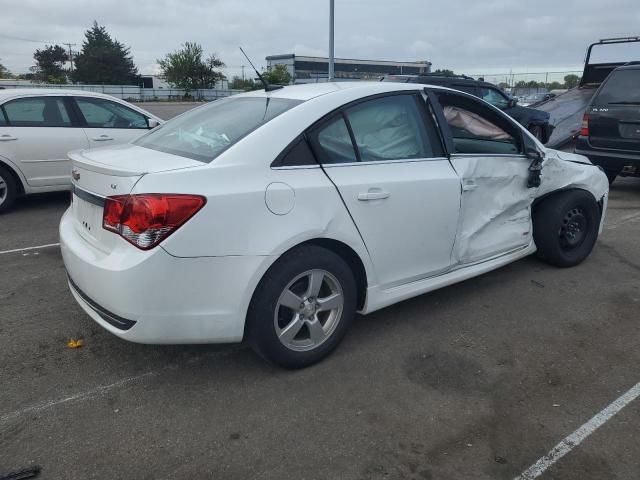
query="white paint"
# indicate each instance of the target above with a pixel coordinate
(97, 391)
(17, 250)
(577, 437)
(39, 407)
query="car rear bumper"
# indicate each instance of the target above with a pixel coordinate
(607, 159)
(154, 297)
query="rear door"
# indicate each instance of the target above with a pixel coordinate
(36, 133)
(487, 153)
(614, 115)
(109, 123)
(385, 158)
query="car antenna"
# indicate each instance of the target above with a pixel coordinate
(267, 87)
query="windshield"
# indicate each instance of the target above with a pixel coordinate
(206, 132)
(622, 87)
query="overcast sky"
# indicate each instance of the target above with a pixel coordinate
(471, 36)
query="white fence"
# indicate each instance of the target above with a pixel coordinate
(135, 93)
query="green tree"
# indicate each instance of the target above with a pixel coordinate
(4, 72)
(104, 60)
(555, 86)
(571, 80)
(278, 75)
(187, 68)
(444, 72)
(49, 67)
(238, 83)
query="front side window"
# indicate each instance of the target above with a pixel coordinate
(476, 129)
(494, 97)
(390, 128)
(205, 132)
(101, 113)
(36, 112)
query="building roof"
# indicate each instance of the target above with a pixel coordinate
(306, 58)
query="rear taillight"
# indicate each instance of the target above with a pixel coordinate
(584, 129)
(147, 219)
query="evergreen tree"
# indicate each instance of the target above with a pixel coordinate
(104, 60)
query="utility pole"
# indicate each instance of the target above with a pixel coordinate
(331, 59)
(70, 54)
(242, 66)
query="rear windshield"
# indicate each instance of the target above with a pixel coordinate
(622, 87)
(204, 133)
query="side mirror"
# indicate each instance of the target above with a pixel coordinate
(152, 123)
(532, 152)
(512, 102)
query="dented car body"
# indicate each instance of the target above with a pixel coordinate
(311, 203)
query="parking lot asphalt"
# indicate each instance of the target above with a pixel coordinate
(474, 381)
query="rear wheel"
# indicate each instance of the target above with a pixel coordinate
(565, 227)
(302, 307)
(8, 190)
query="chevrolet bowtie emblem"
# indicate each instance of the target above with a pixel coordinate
(75, 174)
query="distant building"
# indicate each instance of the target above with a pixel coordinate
(305, 69)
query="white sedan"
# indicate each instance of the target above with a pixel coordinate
(276, 216)
(38, 127)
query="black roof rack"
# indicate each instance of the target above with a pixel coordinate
(433, 74)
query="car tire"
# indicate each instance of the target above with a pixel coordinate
(612, 174)
(8, 189)
(565, 227)
(286, 323)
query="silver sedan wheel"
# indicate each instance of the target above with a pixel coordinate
(308, 310)
(4, 190)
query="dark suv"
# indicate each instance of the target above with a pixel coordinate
(610, 133)
(536, 121)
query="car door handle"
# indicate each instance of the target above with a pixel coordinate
(102, 138)
(7, 138)
(467, 187)
(373, 194)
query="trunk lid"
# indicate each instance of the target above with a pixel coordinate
(101, 173)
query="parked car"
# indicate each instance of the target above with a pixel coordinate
(535, 98)
(536, 121)
(275, 216)
(610, 133)
(38, 127)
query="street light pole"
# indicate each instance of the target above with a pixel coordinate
(331, 59)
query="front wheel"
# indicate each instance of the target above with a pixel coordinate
(302, 307)
(565, 227)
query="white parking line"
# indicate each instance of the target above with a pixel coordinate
(577, 437)
(17, 250)
(101, 389)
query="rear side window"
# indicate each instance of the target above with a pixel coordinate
(36, 112)
(204, 133)
(390, 128)
(465, 87)
(101, 113)
(622, 87)
(332, 142)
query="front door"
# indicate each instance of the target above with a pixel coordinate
(487, 154)
(110, 123)
(36, 134)
(385, 159)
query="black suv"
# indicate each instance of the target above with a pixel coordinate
(536, 121)
(610, 133)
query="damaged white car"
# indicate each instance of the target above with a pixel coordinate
(276, 215)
